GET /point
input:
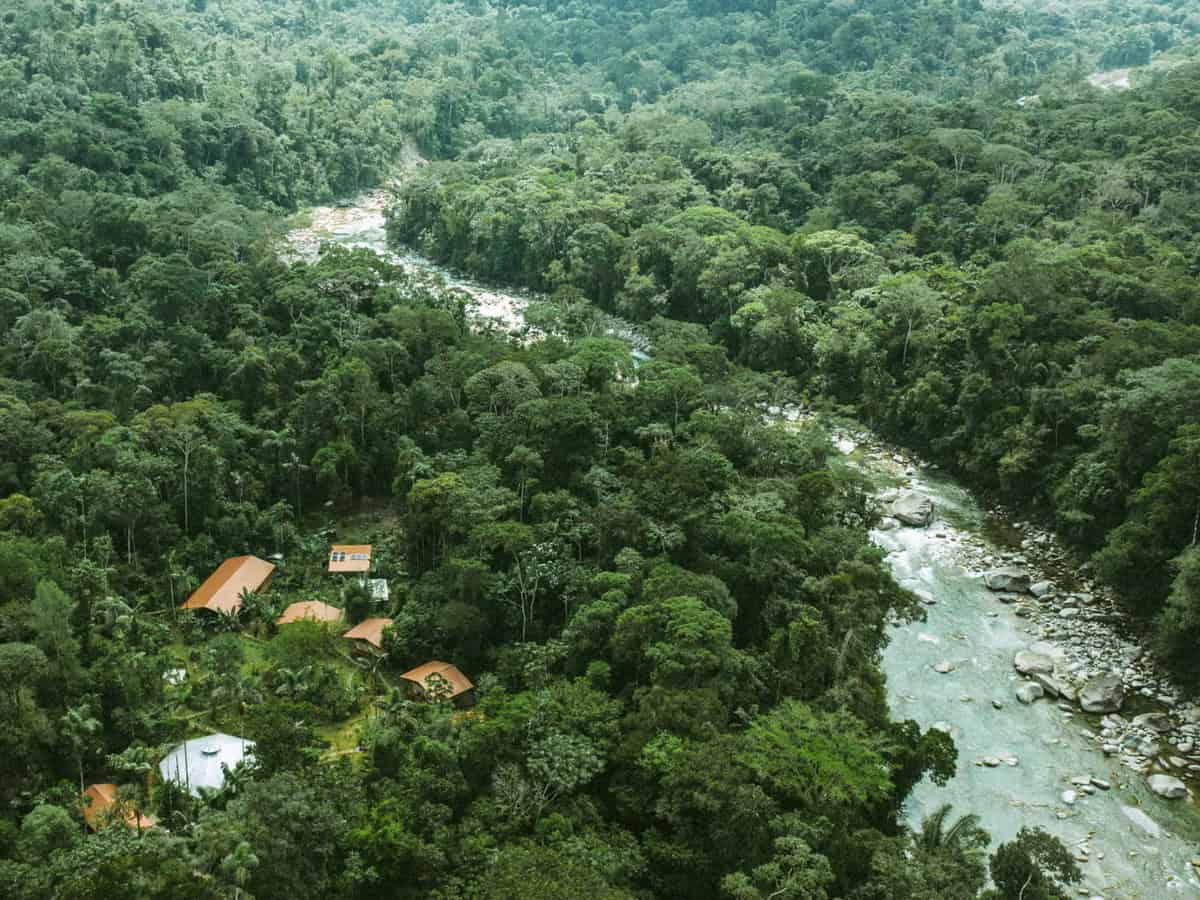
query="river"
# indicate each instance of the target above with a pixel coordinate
(1130, 842)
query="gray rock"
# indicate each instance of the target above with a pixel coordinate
(945, 667)
(1155, 721)
(1041, 588)
(1167, 786)
(1101, 783)
(1027, 662)
(1055, 652)
(1029, 692)
(1008, 579)
(1102, 695)
(1069, 797)
(913, 509)
(1053, 686)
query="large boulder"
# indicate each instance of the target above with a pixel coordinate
(1009, 580)
(1029, 692)
(1105, 694)
(1053, 686)
(1027, 662)
(1046, 648)
(1155, 721)
(1041, 589)
(913, 509)
(1167, 786)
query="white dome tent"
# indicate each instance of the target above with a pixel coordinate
(201, 762)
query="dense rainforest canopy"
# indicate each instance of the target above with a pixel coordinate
(919, 213)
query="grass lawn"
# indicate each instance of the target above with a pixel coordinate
(343, 736)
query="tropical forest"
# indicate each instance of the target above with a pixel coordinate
(579, 450)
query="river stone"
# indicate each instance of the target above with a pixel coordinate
(1010, 580)
(913, 509)
(1102, 695)
(1052, 685)
(1029, 692)
(1155, 721)
(1069, 797)
(1045, 648)
(887, 523)
(1027, 662)
(1167, 786)
(945, 667)
(1041, 588)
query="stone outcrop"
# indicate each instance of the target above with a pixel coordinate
(913, 509)
(1009, 580)
(1105, 694)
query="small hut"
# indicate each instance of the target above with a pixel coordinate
(99, 799)
(353, 558)
(222, 590)
(439, 681)
(313, 611)
(368, 632)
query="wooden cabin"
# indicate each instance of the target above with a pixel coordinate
(458, 687)
(222, 590)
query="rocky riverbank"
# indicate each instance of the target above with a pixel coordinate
(1080, 653)
(983, 665)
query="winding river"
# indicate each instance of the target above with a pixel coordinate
(1019, 765)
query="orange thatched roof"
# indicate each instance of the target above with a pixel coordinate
(99, 798)
(310, 609)
(369, 630)
(222, 590)
(350, 558)
(459, 683)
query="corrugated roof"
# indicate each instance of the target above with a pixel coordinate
(369, 630)
(222, 590)
(459, 683)
(100, 798)
(197, 763)
(310, 609)
(350, 558)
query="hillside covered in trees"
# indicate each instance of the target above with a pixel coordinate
(670, 612)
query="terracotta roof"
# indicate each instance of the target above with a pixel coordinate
(222, 590)
(101, 797)
(369, 630)
(310, 609)
(459, 683)
(350, 558)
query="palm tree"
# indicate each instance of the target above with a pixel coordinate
(293, 683)
(964, 835)
(371, 664)
(79, 727)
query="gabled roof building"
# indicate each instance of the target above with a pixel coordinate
(99, 799)
(312, 610)
(222, 590)
(369, 631)
(422, 678)
(350, 558)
